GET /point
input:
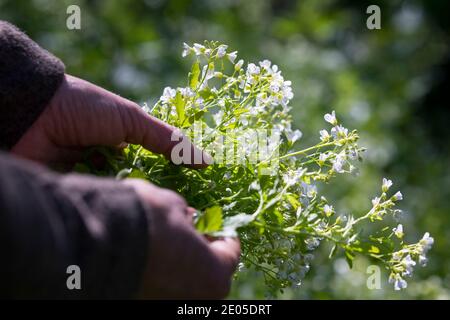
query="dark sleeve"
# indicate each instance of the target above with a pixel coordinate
(49, 222)
(29, 76)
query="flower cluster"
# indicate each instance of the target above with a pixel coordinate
(404, 260)
(278, 211)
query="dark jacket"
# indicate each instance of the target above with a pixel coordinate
(50, 221)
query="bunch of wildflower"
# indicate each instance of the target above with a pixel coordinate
(261, 186)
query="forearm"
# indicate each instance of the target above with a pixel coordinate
(29, 76)
(48, 222)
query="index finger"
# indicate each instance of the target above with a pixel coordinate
(160, 137)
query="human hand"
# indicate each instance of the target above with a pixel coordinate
(81, 115)
(181, 262)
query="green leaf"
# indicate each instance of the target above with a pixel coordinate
(293, 200)
(207, 94)
(276, 214)
(374, 249)
(131, 173)
(349, 256)
(238, 112)
(136, 173)
(193, 76)
(210, 221)
(197, 116)
(179, 105)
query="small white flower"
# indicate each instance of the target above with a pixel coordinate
(293, 177)
(353, 154)
(265, 64)
(339, 162)
(254, 186)
(186, 50)
(238, 65)
(323, 157)
(311, 190)
(222, 50)
(294, 135)
(398, 196)
(423, 261)
(398, 231)
(232, 56)
(375, 201)
(426, 242)
(397, 256)
(168, 94)
(199, 104)
(328, 210)
(199, 49)
(400, 284)
(409, 261)
(274, 88)
(331, 118)
(187, 92)
(252, 69)
(324, 135)
(409, 264)
(386, 184)
(339, 132)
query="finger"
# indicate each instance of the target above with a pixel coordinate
(190, 212)
(228, 251)
(49, 154)
(108, 119)
(121, 145)
(160, 137)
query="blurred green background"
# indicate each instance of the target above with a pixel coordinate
(390, 84)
